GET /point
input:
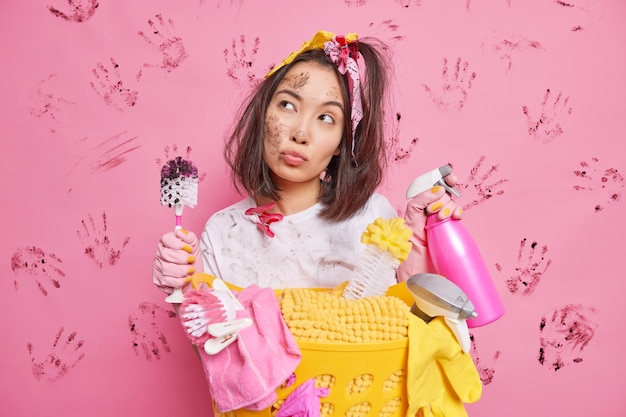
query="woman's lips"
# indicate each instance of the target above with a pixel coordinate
(293, 158)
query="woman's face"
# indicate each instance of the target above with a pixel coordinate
(304, 124)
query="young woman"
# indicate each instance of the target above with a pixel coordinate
(308, 151)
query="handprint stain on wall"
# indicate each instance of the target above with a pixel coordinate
(532, 265)
(480, 187)
(454, 87)
(160, 35)
(49, 105)
(34, 263)
(356, 3)
(564, 334)
(408, 3)
(110, 88)
(79, 10)
(96, 242)
(399, 153)
(505, 48)
(485, 372)
(233, 4)
(147, 337)
(64, 354)
(468, 4)
(241, 62)
(548, 124)
(607, 180)
(388, 26)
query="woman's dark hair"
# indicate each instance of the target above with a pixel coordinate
(350, 179)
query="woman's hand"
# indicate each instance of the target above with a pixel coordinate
(176, 259)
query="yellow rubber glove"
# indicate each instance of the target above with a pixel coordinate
(440, 376)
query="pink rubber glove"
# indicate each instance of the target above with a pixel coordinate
(176, 259)
(427, 203)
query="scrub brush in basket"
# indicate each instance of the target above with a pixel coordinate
(179, 188)
(211, 318)
(386, 246)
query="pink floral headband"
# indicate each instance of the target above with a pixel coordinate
(343, 51)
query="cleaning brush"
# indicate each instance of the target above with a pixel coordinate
(201, 308)
(179, 188)
(386, 245)
(210, 316)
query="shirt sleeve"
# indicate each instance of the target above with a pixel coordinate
(383, 206)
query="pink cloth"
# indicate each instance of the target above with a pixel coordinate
(304, 401)
(247, 373)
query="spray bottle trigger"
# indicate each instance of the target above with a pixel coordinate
(430, 179)
(461, 332)
(448, 188)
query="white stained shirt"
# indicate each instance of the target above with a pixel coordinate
(305, 252)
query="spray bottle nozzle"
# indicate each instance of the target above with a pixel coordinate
(445, 170)
(431, 178)
(435, 295)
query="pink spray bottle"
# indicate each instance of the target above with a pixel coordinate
(456, 256)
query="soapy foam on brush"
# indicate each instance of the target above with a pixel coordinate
(179, 183)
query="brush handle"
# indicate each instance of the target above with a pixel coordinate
(219, 284)
(225, 332)
(217, 344)
(176, 297)
(227, 327)
(178, 211)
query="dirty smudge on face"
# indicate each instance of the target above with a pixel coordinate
(298, 81)
(335, 94)
(272, 133)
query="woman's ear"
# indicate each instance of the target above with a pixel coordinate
(324, 177)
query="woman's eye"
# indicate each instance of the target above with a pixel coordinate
(327, 118)
(286, 105)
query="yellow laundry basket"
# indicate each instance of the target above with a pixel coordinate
(365, 379)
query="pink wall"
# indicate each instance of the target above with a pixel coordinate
(84, 331)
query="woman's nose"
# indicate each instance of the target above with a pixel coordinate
(299, 137)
